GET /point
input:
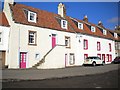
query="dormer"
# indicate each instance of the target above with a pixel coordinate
(115, 35)
(93, 29)
(64, 24)
(104, 32)
(80, 25)
(32, 16)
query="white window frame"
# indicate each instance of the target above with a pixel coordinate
(67, 42)
(93, 29)
(104, 32)
(115, 35)
(72, 59)
(80, 25)
(1, 37)
(37, 56)
(62, 26)
(35, 15)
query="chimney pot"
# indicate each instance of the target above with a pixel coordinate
(100, 24)
(85, 18)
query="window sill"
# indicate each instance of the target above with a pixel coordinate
(68, 47)
(32, 44)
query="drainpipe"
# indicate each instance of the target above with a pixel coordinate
(19, 48)
(8, 47)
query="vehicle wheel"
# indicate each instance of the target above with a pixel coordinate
(94, 63)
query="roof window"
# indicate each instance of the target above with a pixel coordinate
(80, 25)
(93, 29)
(64, 24)
(31, 16)
(115, 35)
(104, 32)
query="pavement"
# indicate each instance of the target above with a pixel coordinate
(39, 74)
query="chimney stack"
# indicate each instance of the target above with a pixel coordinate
(85, 18)
(6, 4)
(9, 1)
(61, 10)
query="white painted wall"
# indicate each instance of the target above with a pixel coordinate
(5, 40)
(92, 46)
(19, 38)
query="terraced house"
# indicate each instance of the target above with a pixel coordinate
(46, 40)
(4, 40)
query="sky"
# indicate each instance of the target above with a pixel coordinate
(107, 12)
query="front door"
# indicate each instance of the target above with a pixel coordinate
(103, 57)
(23, 58)
(2, 59)
(53, 40)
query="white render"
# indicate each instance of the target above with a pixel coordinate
(4, 45)
(56, 58)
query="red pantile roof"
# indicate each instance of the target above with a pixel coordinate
(3, 20)
(50, 20)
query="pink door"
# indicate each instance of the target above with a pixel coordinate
(23, 59)
(53, 40)
(103, 57)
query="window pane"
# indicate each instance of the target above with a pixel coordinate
(85, 44)
(64, 24)
(67, 42)
(32, 16)
(32, 37)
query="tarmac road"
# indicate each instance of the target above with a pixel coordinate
(107, 76)
(104, 80)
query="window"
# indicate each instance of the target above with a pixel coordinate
(110, 59)
(64, 24)
(67, 42)
(31, 16)
(115, 35)
(98, 46)
(92, 28)
(85, 56)
(99, 55)
(107, 57)
(104, 32)
(85, 44)
(37, 56)
(32, 37)
(110, 48)
(80, 25)
(72, 59)
(0, 37)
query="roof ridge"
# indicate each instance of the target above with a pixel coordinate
(38, 9)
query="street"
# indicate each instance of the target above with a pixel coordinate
(104, 80)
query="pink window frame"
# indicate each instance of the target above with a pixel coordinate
(98, 46)
(99, 55)
(86, 43)
(103, 57)
(110, 48)
(85, 55)
(110, 58)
